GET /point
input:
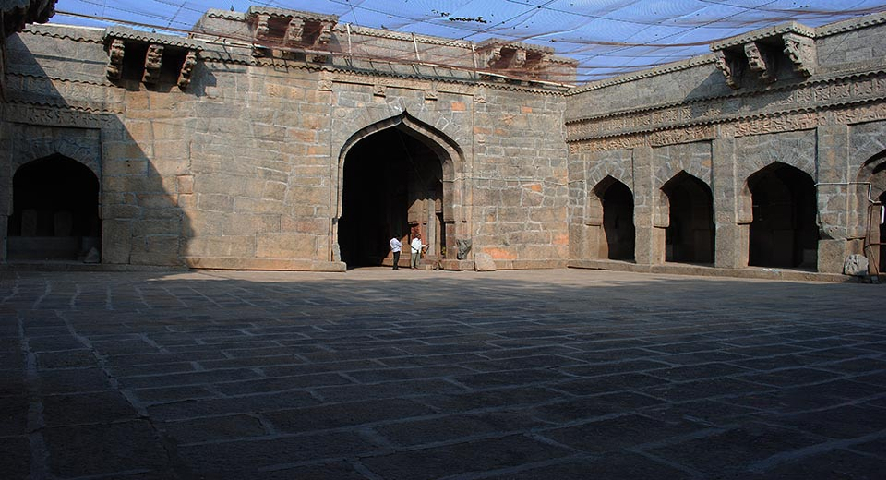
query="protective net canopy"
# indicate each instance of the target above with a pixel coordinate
(606, 37)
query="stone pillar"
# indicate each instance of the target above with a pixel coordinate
(731, 221)
(832, 165)
(646, 248)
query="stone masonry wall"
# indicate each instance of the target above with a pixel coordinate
(242, 168)
(827, 125)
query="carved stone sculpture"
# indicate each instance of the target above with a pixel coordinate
(464, 247)
(295, 32)
(184, 78)
(801, 51)
(729, 69)
(153, 62)
(115, 62)
(760, 62)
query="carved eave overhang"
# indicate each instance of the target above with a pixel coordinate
(502, 55)
(179, 53)
(759, 53)
(279, 32)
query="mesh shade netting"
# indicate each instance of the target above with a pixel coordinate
(606, 37)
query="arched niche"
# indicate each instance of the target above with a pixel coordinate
(783, 229)
(871, 202)
(613, 204)
(397, 177)
(689, 237)
(56, 210)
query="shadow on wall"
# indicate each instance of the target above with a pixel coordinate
(76, 185)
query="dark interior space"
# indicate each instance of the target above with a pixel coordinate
(618, 218)
(55, 209)
(384, 174)
(783, 231)
(690, 234)
(882, 233)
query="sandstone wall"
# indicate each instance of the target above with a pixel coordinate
(644, 128)
(242, 168)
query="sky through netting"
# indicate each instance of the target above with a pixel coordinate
(606, 37)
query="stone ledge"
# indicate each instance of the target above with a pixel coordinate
(698, 270)
(239, 263)
(78, 266)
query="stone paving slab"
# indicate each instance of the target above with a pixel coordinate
(375, 374)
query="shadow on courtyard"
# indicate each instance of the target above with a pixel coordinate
(382, 374)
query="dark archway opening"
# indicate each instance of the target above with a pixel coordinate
(55, 210)
(618, 218)
(882, 220)
(690, 234)
(783, 231)
(391, 186)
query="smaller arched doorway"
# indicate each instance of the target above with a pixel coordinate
(690, 233)
(783, 231)
(882, 219)
(618, 219)
(55, 210)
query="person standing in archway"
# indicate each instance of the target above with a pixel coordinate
(396, 248)
(416, 250)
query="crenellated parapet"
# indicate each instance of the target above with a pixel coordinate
(764, 55)
(149, 57)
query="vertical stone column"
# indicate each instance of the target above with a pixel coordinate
(646, 248)
(578, 191)
(731, 220)
(832, 165)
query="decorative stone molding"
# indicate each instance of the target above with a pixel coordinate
(116, 50)
(153, 63)
(810, 96)
(762, 50)
(379, 90)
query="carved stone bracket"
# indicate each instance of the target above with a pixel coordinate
(262, 27)
(730, 67)
(801, 51)
(184, 77)
(759, 61)
(762, 51)
(379, 90)
(115, 59)
(295, 31)
(180, 53)
(153, 63)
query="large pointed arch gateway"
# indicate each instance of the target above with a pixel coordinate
(397, 178)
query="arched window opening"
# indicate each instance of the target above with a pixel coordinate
(618, 218)
(55, 210)
(391, 185)
(690, 234)
(783, 232)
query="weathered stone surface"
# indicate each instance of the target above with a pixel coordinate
(245, 163)
(483, 262)
(857, 265)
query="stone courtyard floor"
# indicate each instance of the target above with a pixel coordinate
(377, 374)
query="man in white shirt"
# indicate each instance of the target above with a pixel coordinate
(396, 247)
(416, 250)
